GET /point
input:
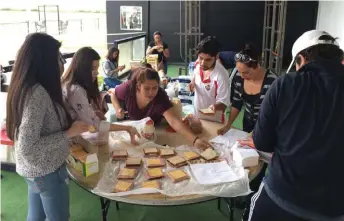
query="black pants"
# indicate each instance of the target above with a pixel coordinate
(248, 127)
(264, 209)
(254, 186)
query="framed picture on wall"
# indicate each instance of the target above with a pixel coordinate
(131, 18)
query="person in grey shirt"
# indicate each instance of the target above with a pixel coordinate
(111, 68)
(40, 127)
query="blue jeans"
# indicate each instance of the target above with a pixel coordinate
(48, 196)
(165, 67)
(112, 82)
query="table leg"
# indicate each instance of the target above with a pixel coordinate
(105, 204)
(117, 206)
(219, 203)
(230, 206)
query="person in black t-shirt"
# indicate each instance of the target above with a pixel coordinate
(159, 47)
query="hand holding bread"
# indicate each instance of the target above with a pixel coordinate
(77, 128)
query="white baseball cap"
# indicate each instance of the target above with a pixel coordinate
(306, 40)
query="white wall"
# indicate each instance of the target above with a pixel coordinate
(331, 19)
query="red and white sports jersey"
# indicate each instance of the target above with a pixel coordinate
(211, 91)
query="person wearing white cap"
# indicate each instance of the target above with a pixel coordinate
(301, 120)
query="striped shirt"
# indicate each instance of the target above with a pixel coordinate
(238, 95)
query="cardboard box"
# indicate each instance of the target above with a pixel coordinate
(152, 59)
(87, 164)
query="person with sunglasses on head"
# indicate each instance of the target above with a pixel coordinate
(210, 82)
(81, 93)
(249, 86)
(160, 48)
(41, 127)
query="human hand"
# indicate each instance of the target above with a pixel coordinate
(247, 142)
(120, 68)
(133, 132)
(77, 128)
(111, 91)
(192, 86)
(100, 115)
(212, 107)
(120, 113)
(202, 144)
(224, 129)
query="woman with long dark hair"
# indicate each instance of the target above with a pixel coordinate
(111, 68)
(81, 93)
(40, 127)
(144, 98)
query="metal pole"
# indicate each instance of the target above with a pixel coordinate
(190, 29)
(268, 35)
(199, 21)
(180, 31)
(279, 36)
(283, 32)
(39, 14)
(264, 35)
(58, 19)
(195, 10)
(272, 35)
(45, 21)
(28, 26)
(185, 36)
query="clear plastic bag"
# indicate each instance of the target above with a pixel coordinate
(187, 187)
(125, 137)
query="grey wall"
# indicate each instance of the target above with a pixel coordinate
(301, 17)
(222, 19)
(164, 17)
(234, 23)
(113, 19)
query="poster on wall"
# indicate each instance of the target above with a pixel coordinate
(131, 18)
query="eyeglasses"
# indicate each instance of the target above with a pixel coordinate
(243, 58)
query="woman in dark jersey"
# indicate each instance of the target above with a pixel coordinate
(144, 98)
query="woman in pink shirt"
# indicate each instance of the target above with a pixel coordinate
(144, 98)
(81, 93)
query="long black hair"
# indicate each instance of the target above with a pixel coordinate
(109, 55)
(37, 63)
(80, 72)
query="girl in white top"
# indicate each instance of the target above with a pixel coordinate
(210, 83)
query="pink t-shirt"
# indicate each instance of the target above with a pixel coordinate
(155, 109)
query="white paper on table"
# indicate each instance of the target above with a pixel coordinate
(213, 173)
(229, 138)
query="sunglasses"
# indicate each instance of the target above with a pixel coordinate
(243, 58)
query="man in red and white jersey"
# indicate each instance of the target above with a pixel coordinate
(210, 82)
